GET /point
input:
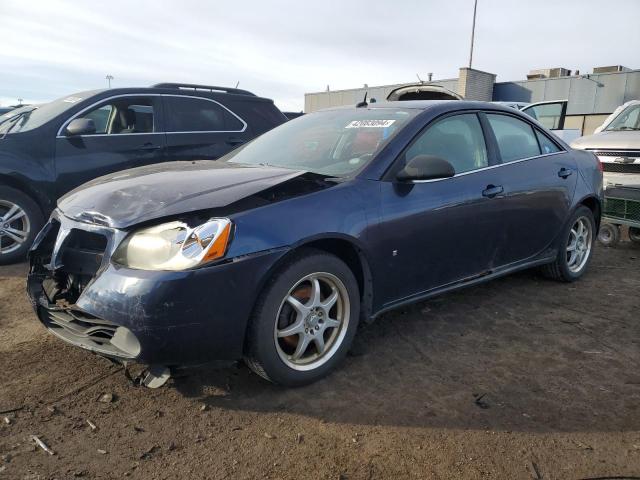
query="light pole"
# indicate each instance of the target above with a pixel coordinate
(109, 78)
(473, 31)
(19, 101)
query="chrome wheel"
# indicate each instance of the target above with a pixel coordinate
(312, 321)
(579, 245)
(14, 227)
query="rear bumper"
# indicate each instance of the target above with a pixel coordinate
(169, 318)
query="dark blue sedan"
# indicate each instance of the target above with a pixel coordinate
(279, 250)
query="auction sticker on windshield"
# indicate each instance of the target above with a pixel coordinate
(370, 124)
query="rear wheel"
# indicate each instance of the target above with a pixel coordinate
(304, 321)
(575, 248)
(20, 222)
(609, 234)
(634, 234)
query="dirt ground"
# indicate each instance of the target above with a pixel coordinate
(516, 379)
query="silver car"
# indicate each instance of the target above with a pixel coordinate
(617, 144)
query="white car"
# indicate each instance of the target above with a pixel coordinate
(617, 145)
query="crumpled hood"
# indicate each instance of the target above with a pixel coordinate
(618, 140)
(133, 196)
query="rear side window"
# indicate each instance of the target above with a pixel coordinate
(186, 114)
(546, 145)
(457, 139)
(516, 139)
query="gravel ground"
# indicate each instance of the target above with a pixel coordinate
(519, 378)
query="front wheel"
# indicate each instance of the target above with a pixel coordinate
(575, 247)
(20, 222)
(304, 320)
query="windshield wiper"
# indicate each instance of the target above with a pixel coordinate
(15, 119)
(625, 128)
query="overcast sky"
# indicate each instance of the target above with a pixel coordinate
(282, 49)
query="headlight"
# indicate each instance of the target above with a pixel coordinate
(174, 245)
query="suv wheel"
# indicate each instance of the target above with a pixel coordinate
(575, 247)
(20, 222)
(304, 321)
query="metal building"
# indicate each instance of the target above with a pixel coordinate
(591, 97)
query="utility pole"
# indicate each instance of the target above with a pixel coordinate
(109, 78)
(473, 31)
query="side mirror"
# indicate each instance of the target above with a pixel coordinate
(81, 126)
(426, 167)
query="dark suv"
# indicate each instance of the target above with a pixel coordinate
(48, 150)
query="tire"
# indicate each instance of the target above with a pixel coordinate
(571, 265)
(609, 234)
(27, 218)
(286, 305)
(634, 234)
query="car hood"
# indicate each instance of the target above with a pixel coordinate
(619, 140)
(134, 196)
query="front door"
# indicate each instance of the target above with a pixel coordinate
(127, 135)
(434, 233)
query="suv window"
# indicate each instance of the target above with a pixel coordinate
(187, 114)
(515, 137)
(546, 145)
(457, 139)
(123, 115)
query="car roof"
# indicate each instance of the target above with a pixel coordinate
(431, 104)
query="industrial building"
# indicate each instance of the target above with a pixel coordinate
(591, 97)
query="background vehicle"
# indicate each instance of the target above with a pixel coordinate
(279, 249)
(48, 150)
(617, 145)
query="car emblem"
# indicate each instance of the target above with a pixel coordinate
(623, 160)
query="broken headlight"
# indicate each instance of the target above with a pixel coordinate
(174, 245)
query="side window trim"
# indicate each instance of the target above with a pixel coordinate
(160, 95)
(244, 124)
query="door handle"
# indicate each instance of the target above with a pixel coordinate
(564, 172)
(492, 190)
(234, 141)
(149, 146)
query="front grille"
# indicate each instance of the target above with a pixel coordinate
(82, 252)
(617, 153)
(621, 167)
(82, 329)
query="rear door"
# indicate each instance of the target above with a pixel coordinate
(539, 180)
(128, 134)
(200, 128)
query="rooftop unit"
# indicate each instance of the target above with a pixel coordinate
(548, 73)
(611, 69)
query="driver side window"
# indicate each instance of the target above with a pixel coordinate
(123, 115)
(457, 139)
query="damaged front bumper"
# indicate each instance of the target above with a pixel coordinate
(167, 318)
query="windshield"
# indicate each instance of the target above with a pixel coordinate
(34, 116)
(334, 143)
(629, 119)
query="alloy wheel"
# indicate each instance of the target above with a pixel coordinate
(14, 227)
(579, 244)
(312, 321)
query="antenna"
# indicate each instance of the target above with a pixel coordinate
(237, 83)
(363, 103)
